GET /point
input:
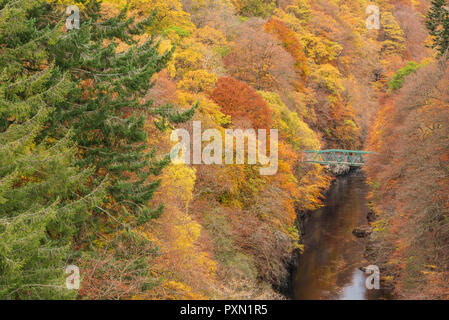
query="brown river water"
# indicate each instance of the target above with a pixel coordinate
(329, 266)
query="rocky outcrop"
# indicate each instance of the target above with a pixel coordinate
(362, 232)
(371, 216)
(338, 169)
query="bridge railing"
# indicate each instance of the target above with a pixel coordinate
(351, 158)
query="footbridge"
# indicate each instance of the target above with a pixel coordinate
(335, 156)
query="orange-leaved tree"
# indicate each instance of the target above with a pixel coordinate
(242, 103)
(290, 43)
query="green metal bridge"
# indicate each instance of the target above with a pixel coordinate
(334, 156)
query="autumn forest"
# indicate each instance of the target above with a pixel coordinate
(92, 205)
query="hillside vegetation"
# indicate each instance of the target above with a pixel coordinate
(409, 176)
(86, 118)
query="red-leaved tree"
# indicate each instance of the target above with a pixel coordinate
(241, 102)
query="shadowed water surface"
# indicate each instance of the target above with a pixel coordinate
(329, 266)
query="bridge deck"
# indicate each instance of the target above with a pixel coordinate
(351, 158)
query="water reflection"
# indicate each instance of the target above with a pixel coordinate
(328, 268)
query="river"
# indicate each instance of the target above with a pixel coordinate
(329, 266)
